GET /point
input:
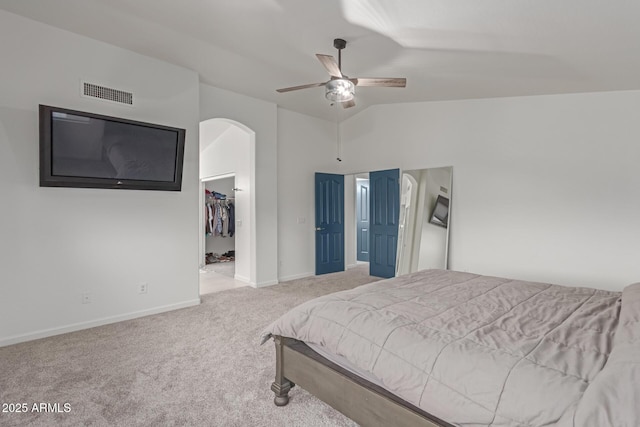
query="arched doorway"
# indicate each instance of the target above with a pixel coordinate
(227, 149)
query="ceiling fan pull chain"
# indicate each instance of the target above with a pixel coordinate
(338, 141)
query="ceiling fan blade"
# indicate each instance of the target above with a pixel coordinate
(330, 65)
(349, 104)
(289, 89)
(380, 81)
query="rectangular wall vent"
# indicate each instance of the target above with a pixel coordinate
(107, 93)
(444, 189)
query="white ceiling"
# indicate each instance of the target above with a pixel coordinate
(446, 49)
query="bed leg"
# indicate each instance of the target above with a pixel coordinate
(281, 385)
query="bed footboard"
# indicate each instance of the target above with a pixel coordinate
(364, 402)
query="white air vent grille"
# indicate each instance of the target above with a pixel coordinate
(106, 93)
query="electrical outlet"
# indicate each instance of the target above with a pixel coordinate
(86, 298)
(144, 287)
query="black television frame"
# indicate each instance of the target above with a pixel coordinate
(47, 179)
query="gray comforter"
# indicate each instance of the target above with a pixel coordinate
(476, 350)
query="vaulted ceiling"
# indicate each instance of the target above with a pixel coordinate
(446, 49)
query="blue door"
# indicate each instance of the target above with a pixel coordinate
(362, 219)
(384, 212)
(329, 223)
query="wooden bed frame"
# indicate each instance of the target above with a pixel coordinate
(362, 401)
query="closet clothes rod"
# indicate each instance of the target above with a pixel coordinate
(218, 201)
(210, 196)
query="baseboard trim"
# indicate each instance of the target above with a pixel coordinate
(267, 283)
(242, 279)
(93, 323)
(296, 276)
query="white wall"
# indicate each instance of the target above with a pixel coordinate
(261, 118)
(305, 145)
(58, 243)
(218, 153)
(544, 188)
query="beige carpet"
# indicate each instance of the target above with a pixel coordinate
(200, 366)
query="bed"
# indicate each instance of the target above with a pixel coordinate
(443, 348)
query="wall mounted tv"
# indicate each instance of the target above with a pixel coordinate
(440, 215)
(80, 149)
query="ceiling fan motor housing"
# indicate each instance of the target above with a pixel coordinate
(339, 90)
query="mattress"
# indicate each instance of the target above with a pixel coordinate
(345, 364)
(481, 350)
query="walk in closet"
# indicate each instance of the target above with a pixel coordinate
(219, 217)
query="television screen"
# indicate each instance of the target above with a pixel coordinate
(80, 149)
(440, 214)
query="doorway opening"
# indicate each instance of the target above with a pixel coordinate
(227, 206)
(219, 246)
(365, 207)
(357, 219)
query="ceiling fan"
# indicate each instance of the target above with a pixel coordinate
(340, 88)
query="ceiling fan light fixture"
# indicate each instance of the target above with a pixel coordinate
(339, 90)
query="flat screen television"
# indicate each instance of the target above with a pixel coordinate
(80, 149)
(440, 215)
